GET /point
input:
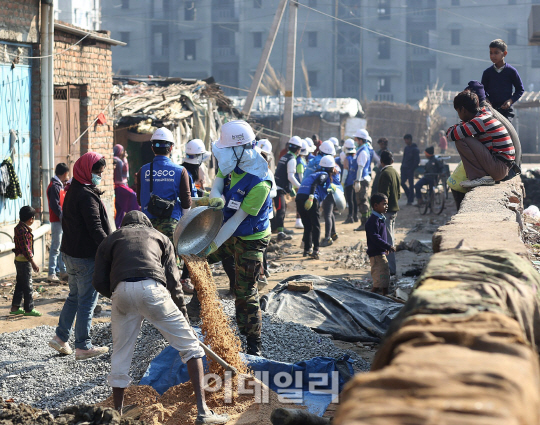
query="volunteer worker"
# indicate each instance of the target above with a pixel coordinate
(246, 227)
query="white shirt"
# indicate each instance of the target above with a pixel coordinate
(362, 160)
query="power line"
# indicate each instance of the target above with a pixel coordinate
(49, 56)
(389, 36)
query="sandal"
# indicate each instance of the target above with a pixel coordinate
(33, 312)
(212, 418)
(19, 311)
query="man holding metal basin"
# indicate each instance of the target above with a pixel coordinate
(245, 232)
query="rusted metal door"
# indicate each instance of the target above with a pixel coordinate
(67, 124)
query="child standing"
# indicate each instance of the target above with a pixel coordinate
(24, 263)
(378, 247)
(499, 79)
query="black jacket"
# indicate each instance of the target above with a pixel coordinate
(137, 250)
(84, 221)
(411, 158)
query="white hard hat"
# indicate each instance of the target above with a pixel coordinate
(335, 141)
(327, 147)
(311, 145)
(349, 146)
(327, 161)
(296, 141)
(305, 147)
(162, 135)
(362, 134)
(264, 145)
(235, 133)
(195, 152)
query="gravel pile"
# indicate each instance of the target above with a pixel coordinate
(33, 373)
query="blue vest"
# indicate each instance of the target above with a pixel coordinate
(233, 198)
(167, 178)
(310, 157)
(353, 168)
(312, 166)
(367, 168)
(321, 192)
(192, 185)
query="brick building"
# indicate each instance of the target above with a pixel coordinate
(80, 90)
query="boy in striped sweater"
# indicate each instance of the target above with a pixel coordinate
(483, 143)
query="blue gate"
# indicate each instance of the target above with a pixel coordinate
(15, 107)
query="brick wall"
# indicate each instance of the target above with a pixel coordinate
(19, 20)
(90, 67)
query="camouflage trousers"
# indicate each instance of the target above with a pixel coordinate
(248, 260)
(362, 199)
(166, 226)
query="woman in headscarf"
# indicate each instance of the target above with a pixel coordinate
(125, 198)
(85, 225)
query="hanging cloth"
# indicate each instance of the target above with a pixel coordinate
(4, 179)
(13, 191)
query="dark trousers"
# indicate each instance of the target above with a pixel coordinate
(350, 197)
(407, 183)
(278, 221)
(23, 286)
(310, 219)
(420, 183)
(329, 218)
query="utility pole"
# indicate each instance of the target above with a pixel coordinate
(287, 126)
(257, 78)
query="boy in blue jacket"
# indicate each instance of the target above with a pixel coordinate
(378, 247)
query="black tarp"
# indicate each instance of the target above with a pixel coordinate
(333, 307)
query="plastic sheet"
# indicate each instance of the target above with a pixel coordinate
(167, 370)
(334, 307)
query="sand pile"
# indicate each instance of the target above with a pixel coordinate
(177, 406)
(216, 327)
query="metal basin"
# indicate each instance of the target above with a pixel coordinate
(196, 230)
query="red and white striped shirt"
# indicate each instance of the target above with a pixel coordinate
(488, 130)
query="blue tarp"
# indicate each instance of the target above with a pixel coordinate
(313, 383)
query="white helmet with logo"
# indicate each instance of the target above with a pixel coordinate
(305, 148)
(335, 141)
(195, 152)
(235, 133)
(162, 135)
(327, 147)
(362, 134)
(264, 145)
(349, 146)
(295, 141)
(327, 161)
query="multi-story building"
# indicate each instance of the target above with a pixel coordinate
(225, 38)
(83, 13)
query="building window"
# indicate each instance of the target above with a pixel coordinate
(312, 77)
(257, 4)
(512, 37)
(189, 11)
(124, 37)
(125, 4)
(312, 39)
(384, 48)
(160, 42)
(257, 40)
(455, 76)
(454, 37)
(190, 52)
(455, 3)
(383, 9)
(383, 84)
(160, 69)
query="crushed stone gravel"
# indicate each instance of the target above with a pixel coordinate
(31, 372)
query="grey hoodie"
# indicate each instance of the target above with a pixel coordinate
(137, 250)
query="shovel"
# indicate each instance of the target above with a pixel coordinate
(218, 359)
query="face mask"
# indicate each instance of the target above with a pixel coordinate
(96, 180)
(248, 160)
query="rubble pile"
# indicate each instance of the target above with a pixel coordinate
(351, 257)
(531, 181)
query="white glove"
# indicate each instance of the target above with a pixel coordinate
(357, 186)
